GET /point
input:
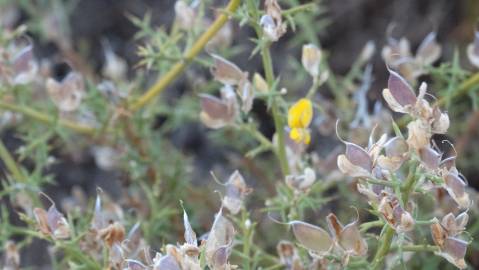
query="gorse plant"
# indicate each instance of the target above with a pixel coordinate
(307, 173)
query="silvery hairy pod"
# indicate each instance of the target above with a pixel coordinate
(455, 225)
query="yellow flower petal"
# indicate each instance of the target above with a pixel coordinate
(300, 114)
(300, 135)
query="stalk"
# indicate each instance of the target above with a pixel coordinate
(178, 68)
(386, 239)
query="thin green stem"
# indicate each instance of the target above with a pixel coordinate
(180, 66)
(47, 119)
(300, 8)
(386, 239)
(278, 120)
(10, 163)
(463, 88)
(280, 149)
(368, 225)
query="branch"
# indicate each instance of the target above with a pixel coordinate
(178, 68)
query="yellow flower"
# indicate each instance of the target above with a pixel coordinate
(300, 114)
(299, 118)
(300, 135)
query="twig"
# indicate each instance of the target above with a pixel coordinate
(10, 163)
(46, 119)
(178, 68)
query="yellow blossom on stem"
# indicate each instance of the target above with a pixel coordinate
(299, 119)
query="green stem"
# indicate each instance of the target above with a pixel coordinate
(178, 68)
(386, 239)
(278, 120)
(368, 225)
(10, 163)
(300, 8)
(46, 119)
(463, 88)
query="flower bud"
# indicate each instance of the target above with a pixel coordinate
(311, 58)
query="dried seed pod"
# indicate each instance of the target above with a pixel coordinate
(429, 50)
(430, 158)
(348, 237)
(67, 94)
(356, 162)
(311, 58)
(399, 94)
(398, 218)
(52, 223)
(454, 251)
(456, 187)
(396, 150)
(451, 248)
(350, 169)
(226, 72)
(166, 262)
(455, 225)
(312, 237)
(438, 233)
(190, 235)
(112, 234)
(236, 191)
(473, 50)
(217, 113)
(302, 182)
(221, 235)
(396, 51)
